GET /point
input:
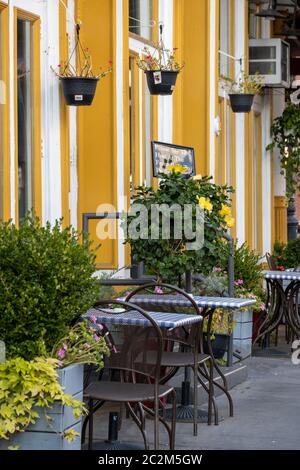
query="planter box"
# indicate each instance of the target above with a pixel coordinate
(48, 436)
(242, 333)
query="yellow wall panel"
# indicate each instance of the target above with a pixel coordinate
(5, 160)
(64, 122)
(280, 219)
(191, 96)
(97, 158)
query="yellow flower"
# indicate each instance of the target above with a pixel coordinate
(229, 221)
(177, 168)
(197, 177)
(205, 203)
(209, 206)
(225, 211)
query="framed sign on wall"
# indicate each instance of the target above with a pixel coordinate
(165, 156)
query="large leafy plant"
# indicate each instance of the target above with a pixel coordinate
(170, 257)
(45, 284)
(285, 132)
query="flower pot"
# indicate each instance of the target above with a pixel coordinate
(79, 91)
(219, 345)
(161, 82)
(241, 103)
(45, 435)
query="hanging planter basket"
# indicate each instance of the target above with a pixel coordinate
(161, 82)
(79, 83)
(241, 103)
(79, 91)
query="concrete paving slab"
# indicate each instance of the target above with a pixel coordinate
(267, 414)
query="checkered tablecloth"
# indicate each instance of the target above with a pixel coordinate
(181, 301)
(135, 318)
(283, 275)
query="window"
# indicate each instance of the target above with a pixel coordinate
(133, 121)
(225, 37)
(257, 184)
(25, 116)
(140, 16)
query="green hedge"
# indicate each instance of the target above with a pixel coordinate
(45, 283)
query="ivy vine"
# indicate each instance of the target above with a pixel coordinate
(285, 133)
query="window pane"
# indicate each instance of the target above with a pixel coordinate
(225, 37)
(140, 16)
(25, 170)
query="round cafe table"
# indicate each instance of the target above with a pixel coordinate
(282, 304)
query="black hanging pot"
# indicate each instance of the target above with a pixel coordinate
(79, 91)
(161, 82)
(241, 103)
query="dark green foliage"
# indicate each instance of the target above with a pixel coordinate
(285, 133)
(248, 267)
(45, 283)
(287, 256)
(169, 258)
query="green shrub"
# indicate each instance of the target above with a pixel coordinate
(45, 283)
(248, 267)
(287, 256)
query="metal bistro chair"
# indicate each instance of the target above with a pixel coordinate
(138, 382)
(181, 353)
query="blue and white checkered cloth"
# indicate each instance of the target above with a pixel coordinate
(135, 318)
(181, 301)
(282, 275)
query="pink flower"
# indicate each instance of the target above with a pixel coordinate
(217, 270)
(239, 282)
(93, 319)
(96, 338)
(158, 290)
(65, 346)
(61, 353)
(263, 307)
(60, 363)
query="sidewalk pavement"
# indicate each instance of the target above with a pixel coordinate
(267, 414)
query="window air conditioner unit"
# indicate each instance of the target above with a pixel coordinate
(270, 58)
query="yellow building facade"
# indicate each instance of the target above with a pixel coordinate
(67, 161)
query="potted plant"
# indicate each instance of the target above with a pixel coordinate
(248, 284)
(160, 67)
(46, 284)
(168, 257)
(241, 92)
(79, 83)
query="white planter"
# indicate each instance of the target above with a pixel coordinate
(49, 436)
(242, 333)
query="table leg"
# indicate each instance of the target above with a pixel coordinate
(209, 313)
(112, 442)
(275, 311)
(185, 411)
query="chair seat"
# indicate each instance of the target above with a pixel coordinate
(123, 392)
(174, 359)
